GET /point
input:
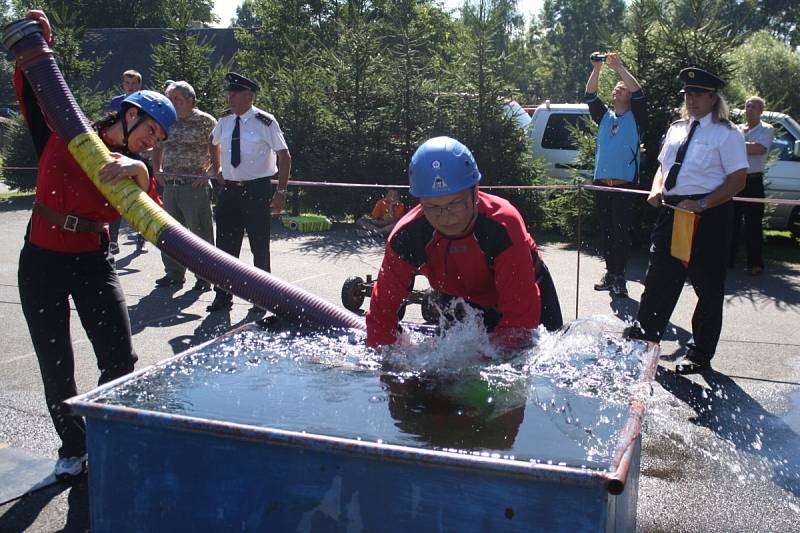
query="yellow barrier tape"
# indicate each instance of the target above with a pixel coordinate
(133, 203)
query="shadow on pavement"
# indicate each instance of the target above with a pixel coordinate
(212, 326)
(160, 308)
(624, 308)
(731, 413)
(20, 203)
(777, 284)
(25, 511)
(343, 240)
(121, 263)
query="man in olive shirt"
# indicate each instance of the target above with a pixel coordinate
(182, 163)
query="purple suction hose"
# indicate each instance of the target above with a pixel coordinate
(25, 40)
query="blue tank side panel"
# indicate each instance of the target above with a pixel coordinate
(159, 479)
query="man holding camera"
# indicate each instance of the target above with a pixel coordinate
(616, 165)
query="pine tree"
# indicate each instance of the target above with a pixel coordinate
(185, 55)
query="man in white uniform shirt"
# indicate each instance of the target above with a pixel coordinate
(703, 165)
(758, 138)
(253, 152)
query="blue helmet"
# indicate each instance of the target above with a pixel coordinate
(155, 105)
(442, 166)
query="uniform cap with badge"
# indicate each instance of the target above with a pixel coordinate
(697, 80)
(237, 82)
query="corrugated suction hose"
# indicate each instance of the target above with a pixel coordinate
(25, 40)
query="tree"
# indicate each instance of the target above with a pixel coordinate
(286, 54)
(246, 16)
(479, 121)
(769, 68)
(122, 13)
(6, 67)
(572, 30)
(186, 56)
(656, 48)
(78, 73)
(419, 40)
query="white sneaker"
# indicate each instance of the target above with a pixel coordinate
(70, 466)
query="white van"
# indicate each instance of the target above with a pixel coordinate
(782, 176)
(548, 133)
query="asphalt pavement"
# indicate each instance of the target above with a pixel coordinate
(721, 451)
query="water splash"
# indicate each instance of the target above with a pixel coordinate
(563, 400)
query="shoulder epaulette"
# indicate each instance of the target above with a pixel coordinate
(726, 122)
(263, 117)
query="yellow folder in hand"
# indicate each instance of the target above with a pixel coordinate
(684, 224)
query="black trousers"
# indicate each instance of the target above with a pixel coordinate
(666, 275)
(245, 208)
(753, 215)
(551, 317)
(46, 281)
(615, 216)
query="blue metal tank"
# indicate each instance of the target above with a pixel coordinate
(176, 449)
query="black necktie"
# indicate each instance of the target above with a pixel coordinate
(672, 177)
(236, 153)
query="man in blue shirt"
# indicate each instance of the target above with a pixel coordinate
(616, 165)
(131, 82)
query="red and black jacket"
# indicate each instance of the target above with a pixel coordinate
(61, 184)
(492, 267)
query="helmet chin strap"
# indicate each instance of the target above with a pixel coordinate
(127, 132)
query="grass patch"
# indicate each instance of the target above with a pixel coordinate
(5, 196)
(780, 246)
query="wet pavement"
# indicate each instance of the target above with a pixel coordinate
(721, 451)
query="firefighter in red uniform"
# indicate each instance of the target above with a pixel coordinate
(65, 252)
(470, 245)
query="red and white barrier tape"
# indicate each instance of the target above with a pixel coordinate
(551, 187)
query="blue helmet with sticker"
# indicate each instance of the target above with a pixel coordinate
(155, 105)
(442, 166)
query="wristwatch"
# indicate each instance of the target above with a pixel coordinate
(702, 203)
(282, 191)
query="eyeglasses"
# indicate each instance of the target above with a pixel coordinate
(454, 208)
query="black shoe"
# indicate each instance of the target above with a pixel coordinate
(687, 368)
(168, 281)
(694, 363)
(219, 304)
(201, 285)
(619, 287)
(606, 282)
